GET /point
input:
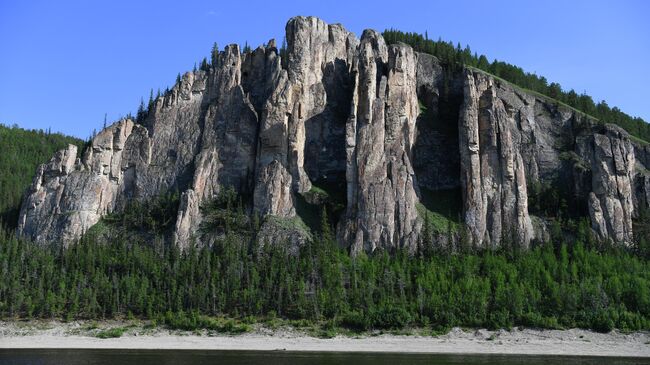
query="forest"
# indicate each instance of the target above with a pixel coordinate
(455, 57)
(123, 268)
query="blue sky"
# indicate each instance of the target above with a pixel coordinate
(64, 64)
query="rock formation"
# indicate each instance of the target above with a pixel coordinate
(493, 177)
(390, 126)
(381, 187)
(611, 207)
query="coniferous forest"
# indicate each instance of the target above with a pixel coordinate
(123, 268)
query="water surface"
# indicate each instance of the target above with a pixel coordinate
(194, 357)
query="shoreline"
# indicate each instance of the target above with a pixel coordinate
(572, 342)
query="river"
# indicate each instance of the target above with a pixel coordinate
(193, 357)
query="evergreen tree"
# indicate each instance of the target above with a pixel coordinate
(204, 65)
(214, 55)
(141, 114)
(283, 53)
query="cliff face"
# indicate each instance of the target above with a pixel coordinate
(390, 126)
(510, 139)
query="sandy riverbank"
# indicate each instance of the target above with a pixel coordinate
(524, 341)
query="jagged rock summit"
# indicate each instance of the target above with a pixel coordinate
(395, 129)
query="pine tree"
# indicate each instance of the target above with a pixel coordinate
(151, 99)
(140, 115)
(204, 65)
(215, 55)
(283, 53)
(326, 233)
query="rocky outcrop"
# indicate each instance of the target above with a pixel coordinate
(493, 177)
(226, 152)
(509, 139)
(611, 207)
(642, 176)
(391, 126)
(69, 195)
(304, 116)
(381, 188)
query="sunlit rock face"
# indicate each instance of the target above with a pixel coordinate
(385, 125)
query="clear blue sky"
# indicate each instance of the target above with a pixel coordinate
(63, 64)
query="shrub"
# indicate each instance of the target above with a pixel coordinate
(111, 333)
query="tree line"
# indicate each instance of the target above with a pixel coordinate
(116, 271)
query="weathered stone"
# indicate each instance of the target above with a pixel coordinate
(339, 111)
(67, 198)
(492, 171)
(381, 191)
(273, 191)
(611, 206)
(187, 219)
(305, 105)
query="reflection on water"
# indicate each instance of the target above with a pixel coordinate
(177, 357)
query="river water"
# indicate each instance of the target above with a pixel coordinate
(180, 357)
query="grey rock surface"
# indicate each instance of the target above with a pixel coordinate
(390, 125)
(493, 177)
(381, 187)
(611, 205)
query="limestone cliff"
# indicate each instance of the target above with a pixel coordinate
(393, 128)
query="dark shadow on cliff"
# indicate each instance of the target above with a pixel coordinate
(324, 196)
(325, 156)
(436, 155)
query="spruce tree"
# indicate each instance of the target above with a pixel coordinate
(204, 65)
(215, 55)
(283, 53)
(141, 112)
